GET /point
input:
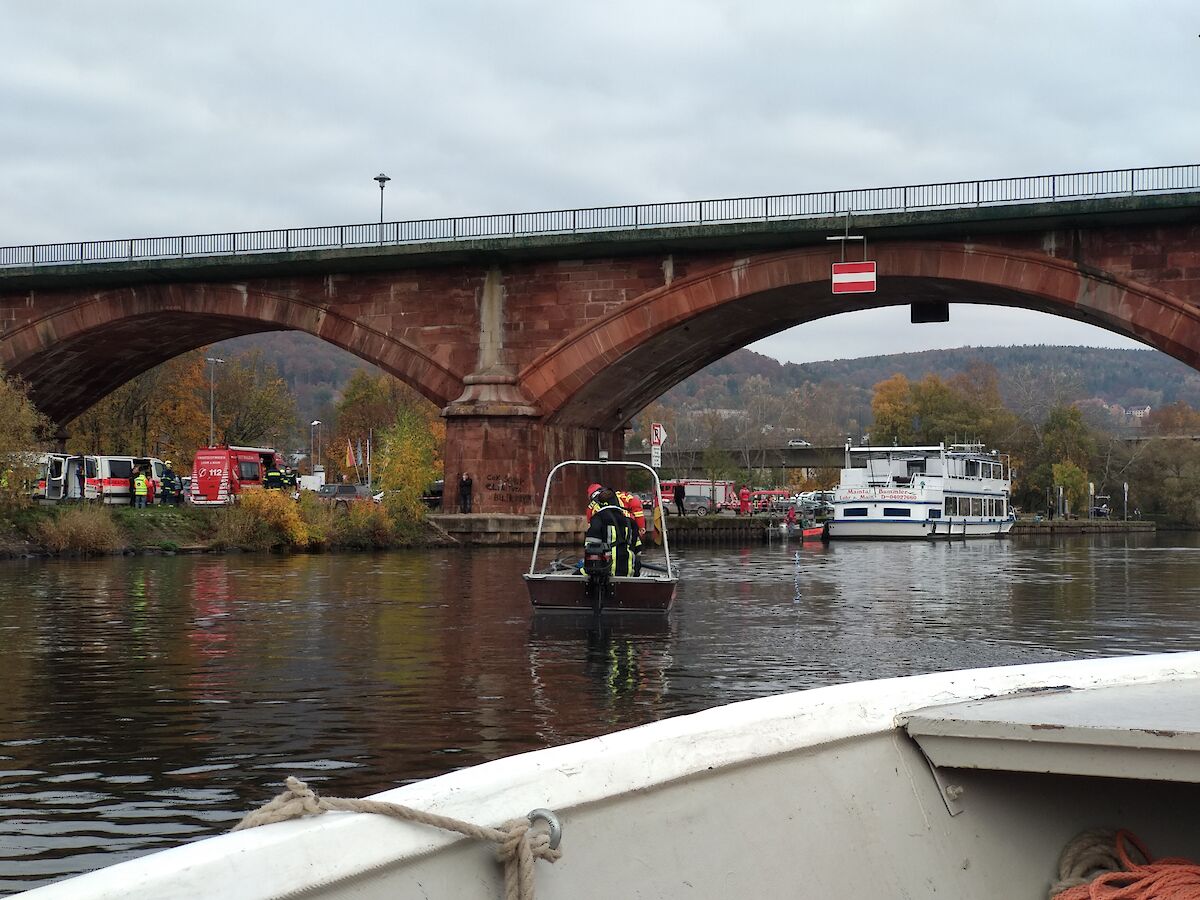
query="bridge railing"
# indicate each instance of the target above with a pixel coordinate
(944, 195)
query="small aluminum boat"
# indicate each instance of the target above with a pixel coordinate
(570, 588)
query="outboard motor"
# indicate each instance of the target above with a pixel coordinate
(596, 564)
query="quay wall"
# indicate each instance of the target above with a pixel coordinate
(497, 530)
(1081, 526)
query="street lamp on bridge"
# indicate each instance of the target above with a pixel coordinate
(314, 443)
(383, 180)
(212, 392)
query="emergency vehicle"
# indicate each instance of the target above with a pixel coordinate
(220, 474)
(106, 478)
(722, 493)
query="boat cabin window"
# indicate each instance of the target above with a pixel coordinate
(916, 467)
(935, 513)
(952, 506)
(972, 468)
(977, 506)
(897, 512)
(856, 511)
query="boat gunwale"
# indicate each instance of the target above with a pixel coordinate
(572, 775)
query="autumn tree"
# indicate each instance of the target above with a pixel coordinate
(407, 460)
(1175, 418)
(368, 406)
(1064, 437)
(22, 428)
(894, 411)
(253, 404)
(162, 412)
(1165, 480)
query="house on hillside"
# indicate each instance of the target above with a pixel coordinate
(1136, 415)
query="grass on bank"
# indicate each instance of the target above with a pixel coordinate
(87, 530)
(262, 520)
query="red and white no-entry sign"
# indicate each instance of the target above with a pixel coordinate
(854, 277)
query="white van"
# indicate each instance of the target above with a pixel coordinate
(114, 475)
(58, 477)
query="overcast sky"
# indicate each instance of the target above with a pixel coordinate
(133, 119)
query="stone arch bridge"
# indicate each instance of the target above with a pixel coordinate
(542, 347)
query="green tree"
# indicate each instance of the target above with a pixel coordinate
(1073, 481)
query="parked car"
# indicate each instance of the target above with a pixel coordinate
(796, 442)
(434, 493)
(341, 495)
(694, 505)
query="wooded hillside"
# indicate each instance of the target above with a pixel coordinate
(1030, 377)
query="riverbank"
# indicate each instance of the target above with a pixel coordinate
(264, 521)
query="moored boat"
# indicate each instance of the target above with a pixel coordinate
(590, 588)
(955, 784)
(922, 492)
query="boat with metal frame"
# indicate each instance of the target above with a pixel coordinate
(590, 588)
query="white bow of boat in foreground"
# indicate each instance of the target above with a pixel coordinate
(959, 784)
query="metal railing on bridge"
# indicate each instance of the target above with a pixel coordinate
(944, 195)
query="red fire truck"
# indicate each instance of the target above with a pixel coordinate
(220, 474)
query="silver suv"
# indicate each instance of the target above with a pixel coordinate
(341, 495)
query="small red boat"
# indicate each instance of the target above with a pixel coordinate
(812, 533)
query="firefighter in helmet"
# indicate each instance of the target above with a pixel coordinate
(611, 523)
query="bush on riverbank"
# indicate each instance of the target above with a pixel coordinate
(261, 520)
(80, 529)
(364, 525)
(272, 520)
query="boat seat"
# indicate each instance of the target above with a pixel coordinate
(1144, 731)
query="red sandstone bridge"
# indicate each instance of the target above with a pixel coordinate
(541, 334)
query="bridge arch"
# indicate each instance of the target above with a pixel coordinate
(605, 371)
(55, 354)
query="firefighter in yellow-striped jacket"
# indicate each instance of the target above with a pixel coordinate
(610, 522)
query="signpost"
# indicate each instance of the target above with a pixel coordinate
(658, 437)
(854, 277)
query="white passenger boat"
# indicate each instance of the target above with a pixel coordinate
(955, 784)
(922, 492)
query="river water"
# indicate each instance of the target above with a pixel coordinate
(149, 701)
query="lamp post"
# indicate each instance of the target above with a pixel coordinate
(212, 393)
(383, 180)
(315, 443)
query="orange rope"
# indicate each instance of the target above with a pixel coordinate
(1170, 878)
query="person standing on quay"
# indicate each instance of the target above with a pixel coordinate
(677, 495)
(744, 501)
(141, 489)
(464, 493)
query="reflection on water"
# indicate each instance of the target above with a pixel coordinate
(150, 701)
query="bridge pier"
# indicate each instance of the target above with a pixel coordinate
(508, 458)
